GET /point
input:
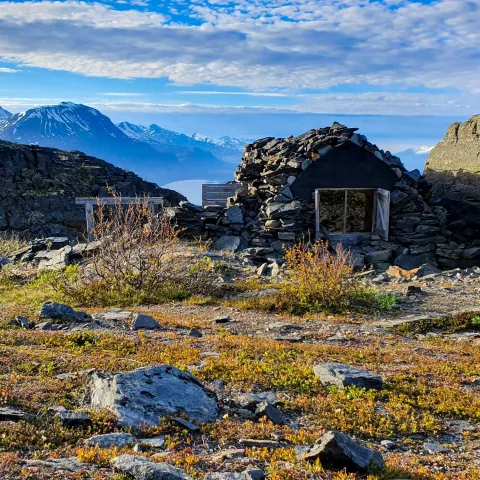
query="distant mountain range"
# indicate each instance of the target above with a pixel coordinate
(226, 148)
(4, 114)
(153, 152)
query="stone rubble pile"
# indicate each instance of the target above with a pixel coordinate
(52, 253)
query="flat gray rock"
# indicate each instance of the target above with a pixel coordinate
(154, 442)
(337, 451)
(145, 395)
(109, 440)
(144, 322)
(13, 415)
(140, 468)
(342, 375)
(433, 448)
(246, 475)
(230, 243)
(58, 311)
(251, 400)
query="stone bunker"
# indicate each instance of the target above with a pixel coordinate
(332, 183)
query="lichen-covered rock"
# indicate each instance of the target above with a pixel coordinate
(140, 468)
(58, 311)
(109, 440)
(337, 451)
(341, 375)
(146, 395)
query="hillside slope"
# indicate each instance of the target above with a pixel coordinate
(38, 186)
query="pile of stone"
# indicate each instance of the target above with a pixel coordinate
(193, 220)
(52, 253)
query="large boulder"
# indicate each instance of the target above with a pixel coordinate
(410, 262)
(337, 451)
(59, 311)
(145, 395)
(341, 375)
(140, 468)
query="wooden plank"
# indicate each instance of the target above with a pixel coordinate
(117, 201)
(90, 221)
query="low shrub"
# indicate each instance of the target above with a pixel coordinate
(319, 279)
(140, 260)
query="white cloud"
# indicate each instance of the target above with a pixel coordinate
(424, 149)
(8, 70)
(262, 45)
(249, 94)
(123, 94)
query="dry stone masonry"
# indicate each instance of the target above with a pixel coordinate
(38, 187)
(273, 210)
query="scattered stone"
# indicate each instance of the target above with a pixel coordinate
(224, 319)
(246, 475)
(145, 395)
(341, 375)
(251, 442)
(45, 326)
(433, 448)
(74, 419)
(227, 454)
(413, 290)
(337, 451)
(22, 321)
(250, 401)
(13, 415)
(188, 425)
(144, 322)
(109, 440)
(274, 415)
(58, 311)
(140, 468)
(195, 332)
(389, 445)
(154, 442)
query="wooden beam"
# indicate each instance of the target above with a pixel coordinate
(117, 201)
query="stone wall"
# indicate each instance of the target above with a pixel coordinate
(38, 186)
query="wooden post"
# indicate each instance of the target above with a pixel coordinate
(317, 214)
(90, 220)
(345, 213)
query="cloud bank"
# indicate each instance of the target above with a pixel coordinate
(264, 46)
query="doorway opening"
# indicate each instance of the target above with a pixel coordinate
(359, 211)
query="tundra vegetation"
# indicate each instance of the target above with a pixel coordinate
(244, 335)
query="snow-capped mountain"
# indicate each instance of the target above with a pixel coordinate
(226, 148)
(415, 158)
(71, 126)
(4, 114)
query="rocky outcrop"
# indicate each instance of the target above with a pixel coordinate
(38, 187)
(453, 166)
(143, 396)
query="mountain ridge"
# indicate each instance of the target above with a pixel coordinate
(4, 114)
(71, 126)
(225, 148)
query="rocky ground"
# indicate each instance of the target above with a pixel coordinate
(260, 392)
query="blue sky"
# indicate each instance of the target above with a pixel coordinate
(208, 61)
